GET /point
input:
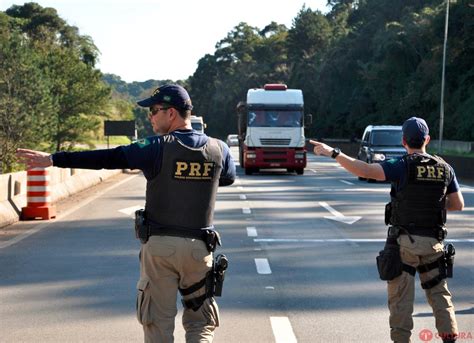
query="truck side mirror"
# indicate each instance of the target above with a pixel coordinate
(205, 125)
(308, 120)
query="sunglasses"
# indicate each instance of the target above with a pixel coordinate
(155, 110)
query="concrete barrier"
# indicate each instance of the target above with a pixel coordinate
(64, 182)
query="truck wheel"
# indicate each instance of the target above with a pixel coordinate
(300, 171)
(248, 171)
(361, 178)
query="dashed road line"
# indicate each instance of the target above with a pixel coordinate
(242, 197)
(282, 330)
(246, 210)
(347, 182)
(263, 267)
(251, 231)
(130, 211)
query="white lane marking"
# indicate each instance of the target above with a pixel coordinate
(338, 216)
(467, 189)
(282, 330)
(368, 190)
(240, 188)
(251, 231)
(309, 240)
(269, 287)
(263, 267)
(242, 197)
(346, 182)
(40, 227)
(313, 170)
(130, 210)
(246, 210)
(342, 240)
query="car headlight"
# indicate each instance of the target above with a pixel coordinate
(378, 157)
(251, 155)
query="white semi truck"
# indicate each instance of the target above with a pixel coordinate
(271, 129)
(198, 123)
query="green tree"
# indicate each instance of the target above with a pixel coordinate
(25, 101)
(67, 62)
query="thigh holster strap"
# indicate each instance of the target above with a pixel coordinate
(193, 288)
(409, 269)
(194, 303)
(441, 265)
(425, 268)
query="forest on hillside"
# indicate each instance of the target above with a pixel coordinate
(363, 62)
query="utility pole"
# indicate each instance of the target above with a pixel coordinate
(441, 109)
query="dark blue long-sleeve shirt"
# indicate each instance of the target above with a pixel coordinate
(145, 155)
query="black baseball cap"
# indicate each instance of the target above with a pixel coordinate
(415, 130)
(173, 95)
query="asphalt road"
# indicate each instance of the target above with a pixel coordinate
(302, 264)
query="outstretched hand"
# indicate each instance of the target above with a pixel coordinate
(34, 159)
(321, 148)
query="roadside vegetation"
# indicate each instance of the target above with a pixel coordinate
(363, 62)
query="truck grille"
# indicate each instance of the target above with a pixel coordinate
(275, 156)
(275, 141)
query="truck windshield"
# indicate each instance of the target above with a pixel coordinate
(197, 127)
(387, 137)
(279, 118)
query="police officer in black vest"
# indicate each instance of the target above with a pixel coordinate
(183, 169)
(424, 187)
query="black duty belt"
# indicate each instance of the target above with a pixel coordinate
(210, 237)
(176, 232)
(438, 233)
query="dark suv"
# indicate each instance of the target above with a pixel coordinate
(380, 143)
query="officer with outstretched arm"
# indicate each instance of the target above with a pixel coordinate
(183, 169)
(423, 188)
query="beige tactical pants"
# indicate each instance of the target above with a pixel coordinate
(401, 291)
(166, 264)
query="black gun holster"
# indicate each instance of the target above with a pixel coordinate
(213, 281)
(142, 231)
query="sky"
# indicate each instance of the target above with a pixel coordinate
(156, 39)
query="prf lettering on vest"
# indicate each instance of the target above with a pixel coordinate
(200, 171)
(430, 173)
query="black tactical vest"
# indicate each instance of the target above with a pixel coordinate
(183, 193)
(421, 202)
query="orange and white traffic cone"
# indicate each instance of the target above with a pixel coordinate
(38, 196)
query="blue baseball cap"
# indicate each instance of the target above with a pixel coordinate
(173, 95)
(415, 130)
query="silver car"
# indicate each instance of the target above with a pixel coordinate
(232, 140)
